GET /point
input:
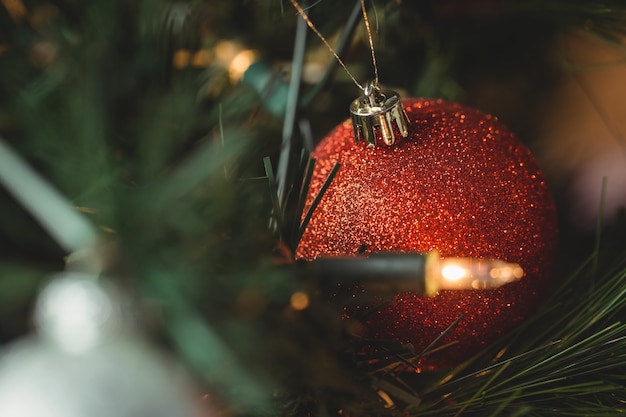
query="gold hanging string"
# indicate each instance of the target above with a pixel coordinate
(302, 13)
(371, 42)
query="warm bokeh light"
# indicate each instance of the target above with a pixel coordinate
(181, 58)
(202, 58)
(16, 8)
(228, 54)
(299, 300)
(225, 51)
(240, 64)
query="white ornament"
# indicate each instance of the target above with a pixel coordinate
(83, 363)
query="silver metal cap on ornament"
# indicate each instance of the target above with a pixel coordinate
(374, 115)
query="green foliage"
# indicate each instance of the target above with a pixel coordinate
(572, 349)
(178, 167)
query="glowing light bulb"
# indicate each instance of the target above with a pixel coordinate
(469, 273)
(425, 274)
(453, 272)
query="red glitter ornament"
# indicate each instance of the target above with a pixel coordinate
(460, 183)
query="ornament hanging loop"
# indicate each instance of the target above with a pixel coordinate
(374, 115)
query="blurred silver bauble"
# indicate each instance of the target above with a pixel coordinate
(84, 362)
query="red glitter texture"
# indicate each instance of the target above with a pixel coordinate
(462, 184)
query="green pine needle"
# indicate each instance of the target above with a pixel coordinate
(277, 210)
(317, 199)
(302, 197)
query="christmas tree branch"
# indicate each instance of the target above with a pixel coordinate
(68, 226)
